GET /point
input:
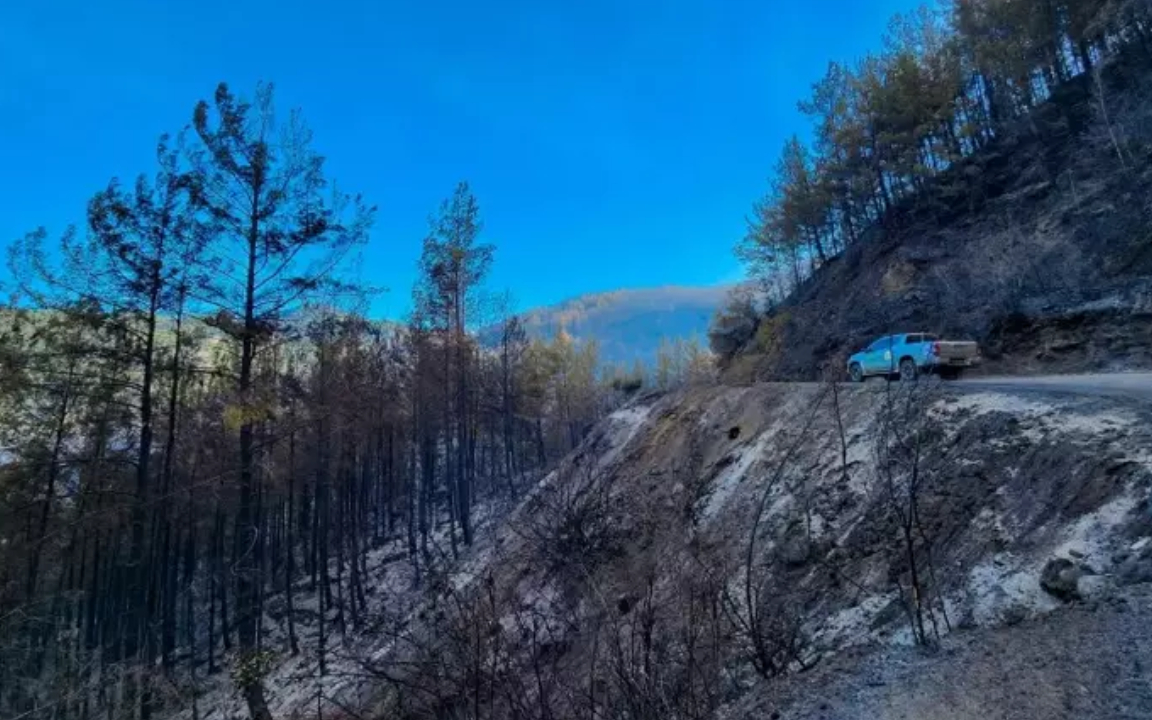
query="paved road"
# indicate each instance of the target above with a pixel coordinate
(1131, 386)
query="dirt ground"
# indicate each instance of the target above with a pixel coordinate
(1089, 661)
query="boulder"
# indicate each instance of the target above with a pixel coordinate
(1014, 614)
(1135, 567)
(1134, 571)
(1095, 588)
(1061, 579)
(796, 550)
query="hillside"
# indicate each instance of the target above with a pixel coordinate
(628, 325)
(804, 550)
(1039, 247)
(290, 512)
(626, 576)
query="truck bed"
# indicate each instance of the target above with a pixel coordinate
(956, 352)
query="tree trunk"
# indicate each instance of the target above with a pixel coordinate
(142, 599)
(289, 541)
(247, 530)
(50, 484)
(168, 632)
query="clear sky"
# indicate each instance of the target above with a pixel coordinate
(611, 143)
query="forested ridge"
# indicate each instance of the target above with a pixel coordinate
(198, 417)
(628, 325)
(899, 127)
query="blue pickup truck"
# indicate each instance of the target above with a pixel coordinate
(910, 355)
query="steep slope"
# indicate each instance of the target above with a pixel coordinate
(1039, 248)
(622, 584)
(628, 325)
(701, 548)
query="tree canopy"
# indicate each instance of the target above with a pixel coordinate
(943, 87)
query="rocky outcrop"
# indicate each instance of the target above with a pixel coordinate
(1135, 564)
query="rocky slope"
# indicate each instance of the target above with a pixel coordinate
(741, 552)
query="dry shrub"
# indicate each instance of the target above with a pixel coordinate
(571, 523)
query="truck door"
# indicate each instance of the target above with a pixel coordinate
(878, 359)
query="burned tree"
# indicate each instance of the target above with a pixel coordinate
(280, 234)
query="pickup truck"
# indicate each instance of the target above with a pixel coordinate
(912, 354)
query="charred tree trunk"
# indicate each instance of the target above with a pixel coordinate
(289, 543)
(53, 471)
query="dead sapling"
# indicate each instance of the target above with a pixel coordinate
(769, 625)
(907, 477)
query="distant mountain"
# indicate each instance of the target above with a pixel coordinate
(629, 324)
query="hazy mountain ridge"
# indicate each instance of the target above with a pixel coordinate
(628, 324)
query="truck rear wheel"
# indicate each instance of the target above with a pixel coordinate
(908, 370)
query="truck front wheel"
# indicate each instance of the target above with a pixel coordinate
(856, 373)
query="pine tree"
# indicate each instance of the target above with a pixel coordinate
(453, 265)
(278, 242)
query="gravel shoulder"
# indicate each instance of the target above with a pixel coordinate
(1129, 386)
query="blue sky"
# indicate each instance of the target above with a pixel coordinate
(610, 143)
